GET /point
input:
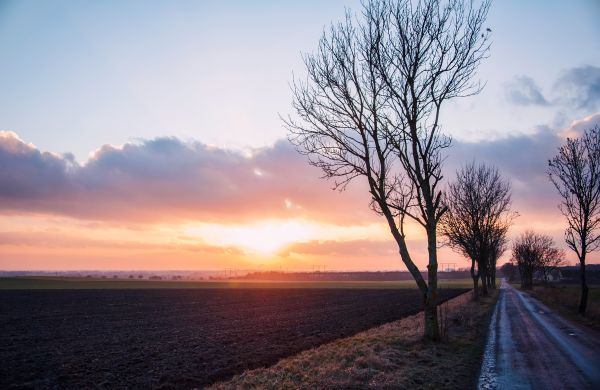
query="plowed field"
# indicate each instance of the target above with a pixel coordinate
(74, 339)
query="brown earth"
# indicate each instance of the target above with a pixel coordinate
(71, 339)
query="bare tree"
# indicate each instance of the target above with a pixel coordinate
(551, 263)
(525, 258)
(531, 252)
(575, 172)
(477, 220)
(508, 270)
(370, 108)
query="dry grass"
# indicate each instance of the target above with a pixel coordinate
(565, 300)
(389, 356)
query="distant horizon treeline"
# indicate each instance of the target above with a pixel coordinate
(569, 271)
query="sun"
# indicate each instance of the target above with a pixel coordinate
(266, 238)
(263, 238)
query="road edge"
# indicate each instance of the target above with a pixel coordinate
(487, 376)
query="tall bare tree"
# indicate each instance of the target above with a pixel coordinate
(575, 172)
(478, 219)
(531, 252)
(370, 108)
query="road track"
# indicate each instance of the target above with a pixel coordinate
(530, 347)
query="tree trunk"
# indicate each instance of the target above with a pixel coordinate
(493, 278)
(530, 279)
(584, 287)
(429, 291)
(484, 279)
(432, 329)
(484, 286)
(489, 274)
(475, 277)
(526, 278)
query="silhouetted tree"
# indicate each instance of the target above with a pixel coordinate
(509, 270)
(551, 263)
(575, 172)
(370, 108)
(531, 251)
(477, 220)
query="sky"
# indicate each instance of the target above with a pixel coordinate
(147, 134)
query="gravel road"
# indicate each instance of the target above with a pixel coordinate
(530, 347)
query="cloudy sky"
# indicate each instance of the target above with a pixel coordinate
(146, 135)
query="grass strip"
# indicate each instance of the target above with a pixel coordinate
(564, 299)
(389, 356)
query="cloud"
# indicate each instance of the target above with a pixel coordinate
(579, 88)
(523, 159)
(64, 241)
(575, 88)
(167, 179)
(524, 91)
(27, 172)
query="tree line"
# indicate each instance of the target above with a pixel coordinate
(370, 109)
(478, 216)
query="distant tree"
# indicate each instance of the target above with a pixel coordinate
(477, 220)
(370, 108)
(551, 263)
(525, 258)
(509, 271)
(575, 172)
(532, 252)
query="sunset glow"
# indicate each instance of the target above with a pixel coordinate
(173, 155)
(265, 238)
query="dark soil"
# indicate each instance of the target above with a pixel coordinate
(76, 339)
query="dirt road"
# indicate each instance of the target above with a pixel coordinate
(529, 347)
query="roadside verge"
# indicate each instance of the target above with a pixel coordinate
(389, 356)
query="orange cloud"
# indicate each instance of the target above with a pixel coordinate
(166, 179)
(168, 204)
